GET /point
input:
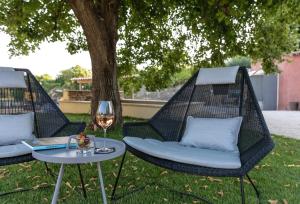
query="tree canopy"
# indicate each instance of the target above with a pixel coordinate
(239, 61)
(65, 76)
(157, 39)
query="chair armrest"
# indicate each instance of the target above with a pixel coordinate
(141, 130)
(71, 129)
(257, 152)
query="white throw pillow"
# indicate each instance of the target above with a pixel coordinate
(15, 128)
(212, 133)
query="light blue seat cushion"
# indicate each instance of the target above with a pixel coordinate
(14, 150)
(174, 151)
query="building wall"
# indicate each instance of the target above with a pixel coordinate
(270, 84)
(289, 82)
(265, 88)
(257, 86)
(131, 108)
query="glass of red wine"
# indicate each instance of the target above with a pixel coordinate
(104, 118)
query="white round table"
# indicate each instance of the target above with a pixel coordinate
(70, 156)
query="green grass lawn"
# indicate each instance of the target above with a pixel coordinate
(277, 177)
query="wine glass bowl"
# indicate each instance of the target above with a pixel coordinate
(105, 118)
(105, 121)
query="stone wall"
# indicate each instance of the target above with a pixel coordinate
(74, 95)
(132, 108)
(77, 95)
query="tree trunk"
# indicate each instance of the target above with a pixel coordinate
(99, 22)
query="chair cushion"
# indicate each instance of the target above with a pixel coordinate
(219, 75)
(12, 79)
(212, 133)
(15, 128)
(7, 69)
(14, 150)
(176, 152)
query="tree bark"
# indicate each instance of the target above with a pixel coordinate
(99, 22)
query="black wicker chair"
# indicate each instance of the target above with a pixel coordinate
(49, 121)
(208, 101)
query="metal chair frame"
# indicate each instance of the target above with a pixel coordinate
(207, 101)
(49, 121)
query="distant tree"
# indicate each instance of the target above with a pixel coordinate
(46, 81)
(182, 76)
(65, 76)
(239, 61)
(130, 83)
(151, 79)
(44, 77)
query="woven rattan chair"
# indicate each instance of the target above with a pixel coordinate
(49, 121)
(207, 101)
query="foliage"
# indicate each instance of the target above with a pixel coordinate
(206, 33)
(65, 76)
(63, 80)
(151, 80)
(163, 36)
(277, 177)
(44, 77)
(239, 61)
(31, 22)
(276, 34)
(130, 81)
(182, 76)
(47, 81)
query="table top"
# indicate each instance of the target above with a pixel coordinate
(70, 156)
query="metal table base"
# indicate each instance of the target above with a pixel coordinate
(59, 180)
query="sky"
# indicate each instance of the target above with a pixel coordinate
(49, 59)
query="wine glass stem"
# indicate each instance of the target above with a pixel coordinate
(104, 143)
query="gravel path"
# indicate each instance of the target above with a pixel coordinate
(285, 123)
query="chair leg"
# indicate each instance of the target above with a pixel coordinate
(49, 171)
(256, 190)
(117, 179)
(82, 182)
(242, 189)
(114, 198)
(31, 188)
(23, 190)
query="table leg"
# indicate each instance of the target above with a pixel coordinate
(101, 183)
(58, 183)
